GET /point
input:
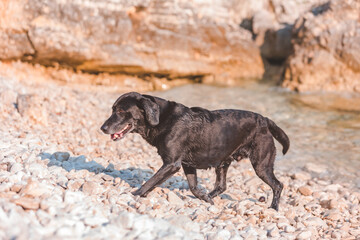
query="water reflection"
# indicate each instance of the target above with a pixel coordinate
(323, 129)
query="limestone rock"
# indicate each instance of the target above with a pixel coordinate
(91, 188)
(333, 215)
(304, 235)
(171, 38)
(304, 190)
(174, 199)
(27, 203)
(316, 168)
(326, 49)
(35, 189)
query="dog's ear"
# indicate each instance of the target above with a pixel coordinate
(152, 111)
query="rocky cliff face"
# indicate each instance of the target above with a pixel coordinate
(326, 44)
(177, 38)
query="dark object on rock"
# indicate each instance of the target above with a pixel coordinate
(196, 138)
(262, 199)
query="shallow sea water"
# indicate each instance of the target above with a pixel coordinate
(323, 128)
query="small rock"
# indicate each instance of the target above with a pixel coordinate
(110, 168)
(4, 166)
(35, 189)
(90, 188)
(274, 232)
(61, 156)
(4, 187)
(106, 177)
(174, 199)
(44, 205)
(27, 203)
(329, 204)
(16, 188)
(252, 220)
(332, 215)
(290, 214)
(289, 229)
(333, 187)
(303, 176)
(315, 168)
(213, 209)
(125, 220)
(336, 234)
(223, 234)
(73, 197)
(184, 222)
(74, 185)
(142, 208)
(269, 212)
(16, 167)
(65, 232)
(325, 204)
(95, 221)
(304, 190)
(314, 221)
(304, 235)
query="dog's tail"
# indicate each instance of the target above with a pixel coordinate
(279, 135)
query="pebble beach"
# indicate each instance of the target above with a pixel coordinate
(61, 178)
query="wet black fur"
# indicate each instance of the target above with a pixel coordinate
(196, 138)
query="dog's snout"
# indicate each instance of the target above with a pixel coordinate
(105, 128)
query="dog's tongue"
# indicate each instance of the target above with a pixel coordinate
(116, 136)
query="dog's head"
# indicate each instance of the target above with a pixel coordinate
(130, 112)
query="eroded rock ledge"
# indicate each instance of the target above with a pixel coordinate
(176, 38)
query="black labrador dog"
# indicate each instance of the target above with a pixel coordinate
(196, 138)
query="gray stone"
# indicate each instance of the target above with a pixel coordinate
(61, 156)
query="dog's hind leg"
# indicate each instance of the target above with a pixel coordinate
(190, 173)
(220, 184)
(262, 158)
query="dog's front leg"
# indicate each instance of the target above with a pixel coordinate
(166, 171)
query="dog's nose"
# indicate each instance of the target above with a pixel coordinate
(104, 128)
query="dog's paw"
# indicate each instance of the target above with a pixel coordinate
(136, 193)
(208, 199)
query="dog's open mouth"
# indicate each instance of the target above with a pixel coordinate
(118, 135)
